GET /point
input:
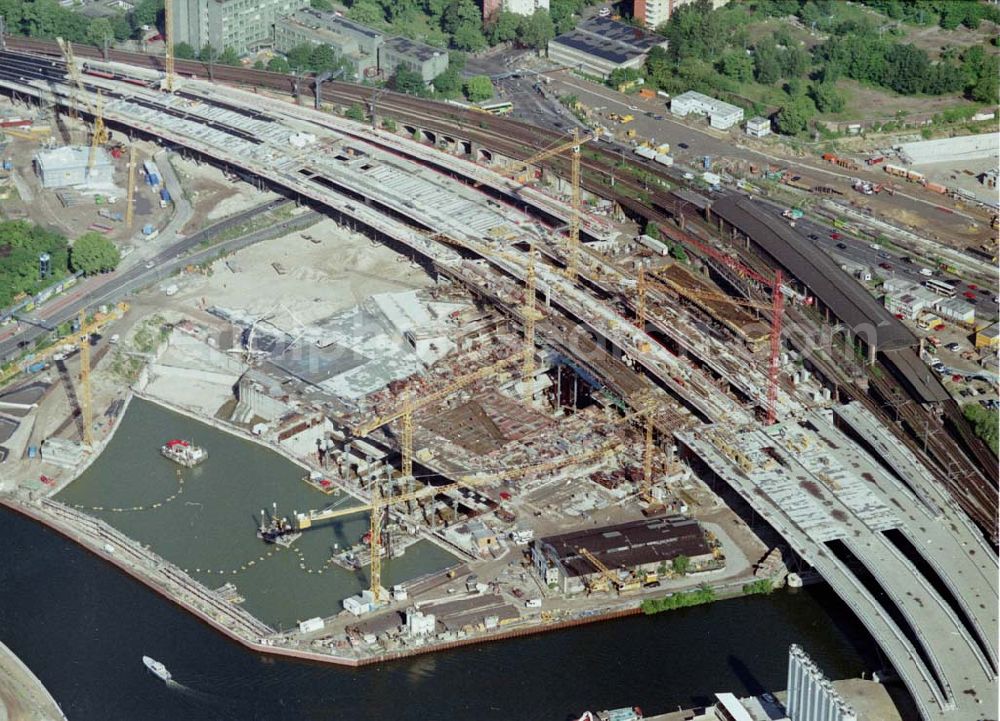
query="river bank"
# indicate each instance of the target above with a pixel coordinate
(64, 619)
(22, 695)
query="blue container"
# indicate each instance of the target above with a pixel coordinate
(707, 162)
(36, 367)
(32, 451)
(8, 164)
(148, 229)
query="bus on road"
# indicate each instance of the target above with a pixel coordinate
(941, 287)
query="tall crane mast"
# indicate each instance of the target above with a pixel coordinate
(130, 194)
(99, 133)
(573, 146)
(379, 503)
(86, 412)
(531, 314)
(409, 407)
(168, 42)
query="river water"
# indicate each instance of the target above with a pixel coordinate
(82, 626)
(209, 528)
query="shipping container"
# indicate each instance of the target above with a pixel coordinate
(829, 157)
(895, 170)
(647, 94)
(936, 187)
(36, 367)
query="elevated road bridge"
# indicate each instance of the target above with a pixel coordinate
(840, 512)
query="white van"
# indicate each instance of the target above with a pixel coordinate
(533, 603)
(926, 271)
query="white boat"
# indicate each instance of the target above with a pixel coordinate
(158, 668)
(183, 452)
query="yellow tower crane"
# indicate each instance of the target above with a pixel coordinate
(529, 308)
(379, 502)
(602, 569)
(86, 412)
(99, 133)
(168, 42)
(409, 406)
(573, 145)
(130, 196)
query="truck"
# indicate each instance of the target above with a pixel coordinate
(36, 367)
(164, 197)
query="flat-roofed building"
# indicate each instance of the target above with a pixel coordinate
(67, 166)
(238, 24)
(636, 547)
(721, 115)
(357, 43)
(600, 45)
(421, 58)
(758, 127)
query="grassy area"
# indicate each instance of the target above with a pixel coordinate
(265, 220)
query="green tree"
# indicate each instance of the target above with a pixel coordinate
(478, 88)
(229, 57)
(278, 64)
(795, 115)
(448, 84)
(322, 58)
(366, 12)
(621, 76)
(183, 51)
(652, 230)
(827, 98)
(677, 252)
(21, 244)
(100, 31)
(355, 112)
(208, 54)
(766, 68)
(469, 37)
(537, 30)
(408, 81)
(681, 564)
(737, 65)
(299, 57)
(121, 27)
(985, 423)
(505, 28)
(93, 253)
(563, 14)
(147, 12)
(794, 62)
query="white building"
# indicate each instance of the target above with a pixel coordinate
(67, 166)
(955, 310)
(419, 623)
(720, 115)
(811, 697)
(653, 13)
(361, 604)
(758, 127)
(525, 7)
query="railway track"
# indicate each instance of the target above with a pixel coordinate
(976, 492)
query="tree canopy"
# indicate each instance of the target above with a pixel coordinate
(478, 88)
(93, 253)
(21, 244)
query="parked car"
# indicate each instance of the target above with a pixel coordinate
(835, 236)
(683, 146)
(842, 246)
(885, 266)
(969, 294)
(813, 236)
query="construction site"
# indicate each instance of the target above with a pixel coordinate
(462, 346)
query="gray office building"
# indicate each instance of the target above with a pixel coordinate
(239, 24)
(811, 696)
(358, 43)
(418, 57)
(371, 53)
